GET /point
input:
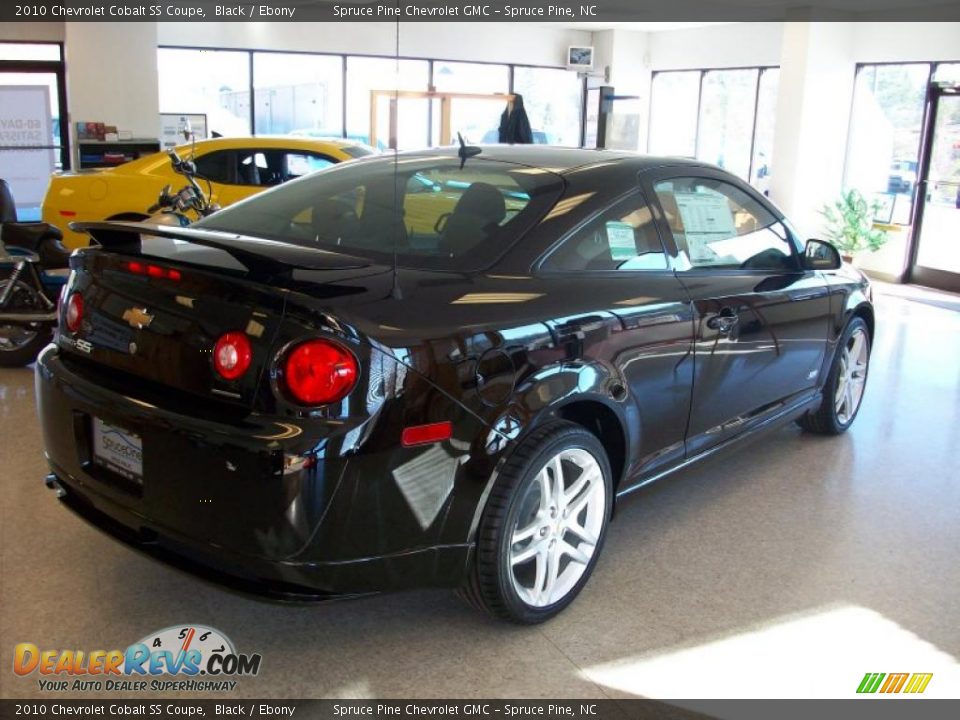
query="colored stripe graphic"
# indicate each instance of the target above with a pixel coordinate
(870, 682)
(918, 683)
(894, 682)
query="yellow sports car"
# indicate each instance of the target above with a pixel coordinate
(236, 168)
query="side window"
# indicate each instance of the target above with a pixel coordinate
(216, 166)
(717, 225)
(622, 237)
(262, 168)
(302, 163)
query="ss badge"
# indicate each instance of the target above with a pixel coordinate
(84, 346)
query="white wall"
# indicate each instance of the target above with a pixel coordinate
(899, 42)
(32, 31)
(812, 120)
(112, 75)
(715, 46)
(491, 42)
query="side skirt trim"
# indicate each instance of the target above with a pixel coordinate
(766, 423)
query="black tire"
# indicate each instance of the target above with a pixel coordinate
(24, 297)
(825, 419)
(26, 354)
(489, 586)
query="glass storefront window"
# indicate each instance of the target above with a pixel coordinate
(726, 119)
(329, 96)
(474, 119)
(552, 99)
(674, 103)
(298, 93)
(884, 141)
(722, 116)
(763, 134)
(367, 73)
(214, 82)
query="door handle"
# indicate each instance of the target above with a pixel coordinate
(724, 321)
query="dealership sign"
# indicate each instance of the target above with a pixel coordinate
(26, 132)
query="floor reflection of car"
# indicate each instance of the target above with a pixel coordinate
(235, 167)
(439, 368)
(903, 176)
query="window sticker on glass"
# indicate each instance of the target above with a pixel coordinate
(707, 219)
(623, 245)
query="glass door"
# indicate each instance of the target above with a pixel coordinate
(32, 140)
(936, 260)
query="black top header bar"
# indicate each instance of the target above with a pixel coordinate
(559, 11)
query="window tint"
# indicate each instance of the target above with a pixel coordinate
(216, 166)
(717, 225)
(433, 213)
(622, 237)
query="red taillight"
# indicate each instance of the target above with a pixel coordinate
(154, 271)
(74, 314)
(232, 355)
(426, 434)
(319, 372)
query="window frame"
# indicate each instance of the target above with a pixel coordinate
(761, 69)
(650, 178)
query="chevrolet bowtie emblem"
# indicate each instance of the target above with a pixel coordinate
(137, 318)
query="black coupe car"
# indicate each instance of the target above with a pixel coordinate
(437, 369)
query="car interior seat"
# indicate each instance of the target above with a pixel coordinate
(476, 216)
(249, 172)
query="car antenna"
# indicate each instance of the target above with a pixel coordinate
(395, 292)
(466, 151)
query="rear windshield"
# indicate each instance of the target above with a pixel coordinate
(429, 211)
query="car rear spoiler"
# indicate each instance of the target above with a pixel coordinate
(256, 254)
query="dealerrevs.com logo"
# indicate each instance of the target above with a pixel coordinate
(178, 658)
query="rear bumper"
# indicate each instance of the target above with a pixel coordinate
(216, 500)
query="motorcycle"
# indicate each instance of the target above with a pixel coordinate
(187, 205)
(34, 265)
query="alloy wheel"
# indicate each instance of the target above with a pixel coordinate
(558, 527)
(852, 378)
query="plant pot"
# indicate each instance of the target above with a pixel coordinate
(846, 257)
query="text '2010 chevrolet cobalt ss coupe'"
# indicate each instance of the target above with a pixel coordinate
(437, 369)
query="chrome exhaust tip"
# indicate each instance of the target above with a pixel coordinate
(53, 483)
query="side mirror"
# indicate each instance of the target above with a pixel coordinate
(821, 255)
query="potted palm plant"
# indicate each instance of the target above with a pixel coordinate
(849, 224)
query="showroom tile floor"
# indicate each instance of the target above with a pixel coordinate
(787, 569)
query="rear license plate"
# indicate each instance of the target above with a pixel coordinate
(118, 450)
